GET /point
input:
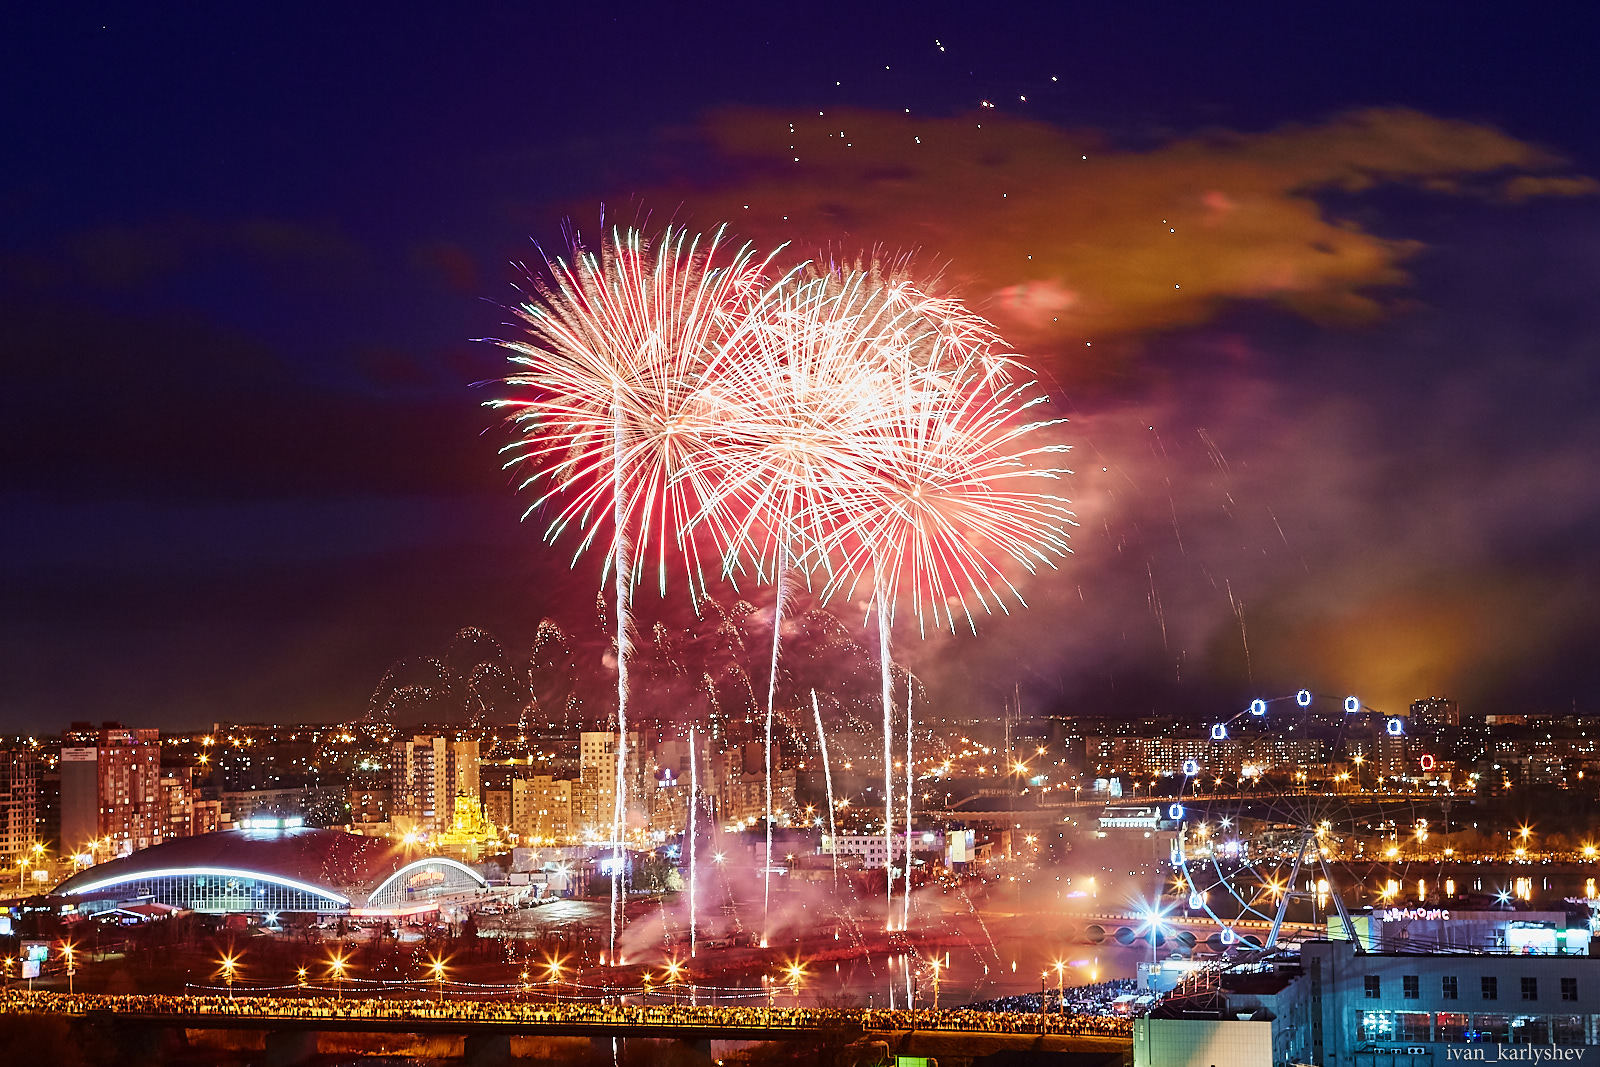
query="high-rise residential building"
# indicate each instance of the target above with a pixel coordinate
(370, 795)
(428, 772)
(110, 789)
(1435, 711)
(19, 808)
(497, 806)
(177, 801)
(541, 808)
(597, 767)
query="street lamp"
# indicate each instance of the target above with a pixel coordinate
(796, 972)
(72, 966)
(336, 967)
(553, 970)
(936, 965)
(1153, 913)
(436, 966)
(300, 976)
(228, 964)
(23, 863)
(674, 971)
(1061, 987)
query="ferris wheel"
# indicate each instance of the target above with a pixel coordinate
(1285, 822)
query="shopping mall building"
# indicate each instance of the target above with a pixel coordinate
(277, 867)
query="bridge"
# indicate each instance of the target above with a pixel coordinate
(289, 1031)
(1053, 811)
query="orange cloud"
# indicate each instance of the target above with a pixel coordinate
(1063, 239)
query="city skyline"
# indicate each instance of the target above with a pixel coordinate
(1331, 417)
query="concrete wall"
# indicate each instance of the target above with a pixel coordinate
(1201, 1043)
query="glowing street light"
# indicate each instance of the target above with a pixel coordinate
(674, 971)
(227, 965)
(796, 972)
(1153, 915)
(300, 976)
(72, 964)
(336, 968)
(436, 966)
(553, 973)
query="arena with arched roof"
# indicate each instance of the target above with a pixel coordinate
(280, 870)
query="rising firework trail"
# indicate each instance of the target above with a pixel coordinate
(954, 484)
(801, 383)
(610, 410)
(886, 681)
(694, 801)
(911, 781)
(781, 579)
(827, 777)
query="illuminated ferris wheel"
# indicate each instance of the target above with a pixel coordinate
(1285, 821)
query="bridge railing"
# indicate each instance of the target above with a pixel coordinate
(344, 1012)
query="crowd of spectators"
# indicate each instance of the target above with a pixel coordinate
(846, 1021)
(1077, 1001)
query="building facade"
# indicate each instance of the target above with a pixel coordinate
(111, 799)
(19, 808)
(1370, 1008)
(428, 772)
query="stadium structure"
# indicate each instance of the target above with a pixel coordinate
(281, 868)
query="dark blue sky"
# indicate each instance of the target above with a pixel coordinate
(245, 250)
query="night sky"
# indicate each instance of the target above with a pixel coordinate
(1316, 287)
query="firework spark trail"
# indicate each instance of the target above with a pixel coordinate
(780, 579)
(993, 948)
(1155, 604)
(905, 899)
(827, 777)
(619, 809)
(887, 683)
(634, 337)
(620, 350)
(694, 800)
(843, 423)
(1244, 636)
(953, 493)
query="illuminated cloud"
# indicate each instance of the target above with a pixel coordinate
(1064, 239)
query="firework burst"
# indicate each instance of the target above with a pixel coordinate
(677, 400)
(614, 372)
